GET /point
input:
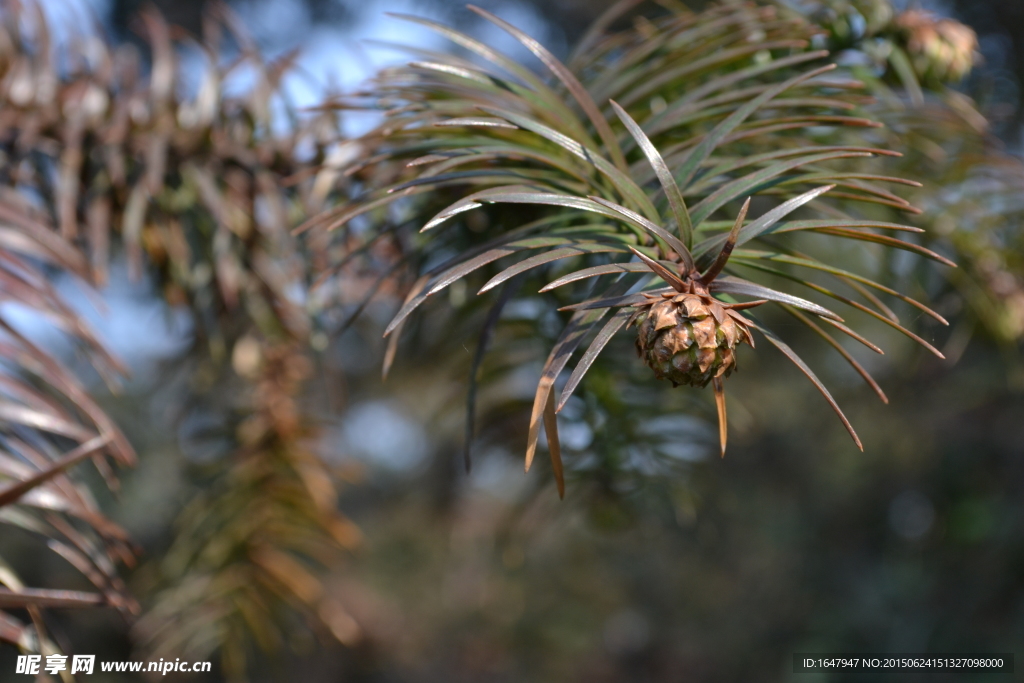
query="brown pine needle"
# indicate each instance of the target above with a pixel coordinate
(551, 430)
(723, 430)
(730, 244)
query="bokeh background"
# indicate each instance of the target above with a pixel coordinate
(682, 568)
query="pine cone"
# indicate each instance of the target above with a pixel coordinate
(940, 49)
(689, 338)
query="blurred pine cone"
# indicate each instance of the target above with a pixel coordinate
(851, 21)
(941, 50)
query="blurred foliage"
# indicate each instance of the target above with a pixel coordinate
(200, 188)
(49, 421)
(244, 564)
(970, 184)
